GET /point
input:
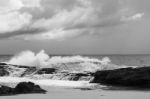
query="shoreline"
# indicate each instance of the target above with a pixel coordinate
(70, 93)
(104, 92)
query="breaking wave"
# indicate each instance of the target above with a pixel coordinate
(73, 71)
(42, 60)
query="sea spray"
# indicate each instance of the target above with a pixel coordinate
(43, 60)
(73, 71)
(29, 58)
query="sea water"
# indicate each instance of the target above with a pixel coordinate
(128, 60)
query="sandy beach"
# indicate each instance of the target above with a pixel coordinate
(69, 93)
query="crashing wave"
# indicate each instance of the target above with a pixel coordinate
(55, 70)
(71, 63)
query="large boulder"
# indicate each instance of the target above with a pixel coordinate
(132, 77)
(21, 88)
(4, 90)
(28, 87)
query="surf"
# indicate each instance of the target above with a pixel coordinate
(43, 69)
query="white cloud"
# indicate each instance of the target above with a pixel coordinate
(11, 19)
(57, 34)
(84, 17)
(134, 17)
(10, 5)
(32, 4)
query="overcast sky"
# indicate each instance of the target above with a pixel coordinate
(75, 26)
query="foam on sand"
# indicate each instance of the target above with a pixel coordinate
(47, 82)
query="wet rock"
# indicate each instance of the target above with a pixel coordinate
(46, 71)
(2, 64)
(21, 88)
(132, 77)
(3, 71)
(4, 90)
(28, 87)
(29, 71)
(72, 76)
(79, 76)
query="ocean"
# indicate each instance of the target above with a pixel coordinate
(127, 60)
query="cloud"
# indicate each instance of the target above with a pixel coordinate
(11, 19)
(62, 19)
(7, 6)
(134, 17)
(32, 3)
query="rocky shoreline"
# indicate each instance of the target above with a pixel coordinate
(129, 76)
(42, 73)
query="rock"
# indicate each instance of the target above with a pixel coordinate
(2, 64)
(21, 88)
(46, 71)
(131, 77)
(79, 76)
(4, 90)
(28, 87)
(72, 76)
(3, 72)
(29, 71)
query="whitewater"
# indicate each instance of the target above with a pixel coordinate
(65, 65)
(43, 60)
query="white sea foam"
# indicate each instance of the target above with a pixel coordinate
(41, 59)
(69, 63)
(29, 58)
(48, 82)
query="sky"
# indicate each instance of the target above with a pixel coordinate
(75, 26)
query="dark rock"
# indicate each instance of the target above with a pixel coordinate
(4, 90)
(132, 77)
(21, 88)
(72, 76)
(78, 76)
(46, 71)
(85, 89)
(28, 87)
(23, 66)
(2, 64)
(3, 72)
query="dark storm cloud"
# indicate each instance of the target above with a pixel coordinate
(21, 32)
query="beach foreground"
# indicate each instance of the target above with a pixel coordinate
(69, 93)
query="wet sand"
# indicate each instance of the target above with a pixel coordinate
(69, 93)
